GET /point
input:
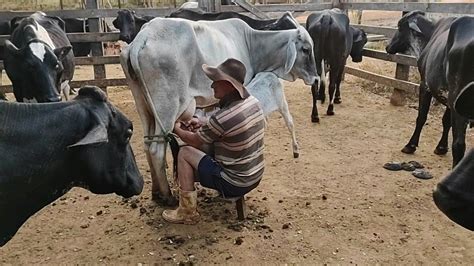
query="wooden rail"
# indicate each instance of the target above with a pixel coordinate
(455, 8)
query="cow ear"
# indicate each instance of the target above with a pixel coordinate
(62, 52)
(60, 22)
(12, 48)
(96, 135)
(290, 56)
(463, 104)
(413, 26)
(14, 22)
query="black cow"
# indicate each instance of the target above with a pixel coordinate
(4, 30)
(83, 143)
(445, 52)
(38, 59)
(334, 40)
(74, 25)
(454, 195)
(284, 23)
(129, 24)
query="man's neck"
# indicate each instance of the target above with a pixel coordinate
(229, 98)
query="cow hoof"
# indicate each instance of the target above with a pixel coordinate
(337, 101)
(296, 155)
(441, 150)
(330, 112)
(315, 119)
(408, 149)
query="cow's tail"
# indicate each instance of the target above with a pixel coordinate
(136, 74)
(326, 22)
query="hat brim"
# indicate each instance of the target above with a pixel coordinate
(215, 74)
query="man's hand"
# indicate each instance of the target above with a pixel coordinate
(194, 124)
(186, 131)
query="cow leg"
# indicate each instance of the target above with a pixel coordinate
(442, 147)
(323, 81)
(155, 152)
(314, 90)
(314, 112)
(335, 76)
(285, 112)
(337, 98)
(423, 108)
(459, 124)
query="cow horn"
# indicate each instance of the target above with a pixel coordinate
(413, 26)
(11, 47)
(96, 135)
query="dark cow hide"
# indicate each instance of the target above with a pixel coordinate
(46, 149)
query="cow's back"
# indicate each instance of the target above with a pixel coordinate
(331, 34)
(432, 61)
(177, 48)
(460, 53)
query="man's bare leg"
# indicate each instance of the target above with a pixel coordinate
(188, 161)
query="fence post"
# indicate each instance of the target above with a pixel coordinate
(97, 49)
(398, 96)
(217, 6)
(204, 5)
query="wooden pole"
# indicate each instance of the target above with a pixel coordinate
(398, 97)
(97, 49)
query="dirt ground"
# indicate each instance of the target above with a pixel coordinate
(335, 204)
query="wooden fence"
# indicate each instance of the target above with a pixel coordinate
(400, 82)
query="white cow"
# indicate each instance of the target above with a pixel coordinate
(163, 69)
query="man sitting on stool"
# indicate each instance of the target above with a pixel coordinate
(236, 134)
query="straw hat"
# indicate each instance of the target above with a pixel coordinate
(231, 70)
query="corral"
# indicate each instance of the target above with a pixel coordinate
(335, 204)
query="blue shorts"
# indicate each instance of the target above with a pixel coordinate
(209, 175)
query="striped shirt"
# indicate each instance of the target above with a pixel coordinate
(236, 132)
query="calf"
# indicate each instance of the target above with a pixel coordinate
(38, 59)
(334, 40)
(268, 89)
(129, 24)
(46, 149)
(444, 51)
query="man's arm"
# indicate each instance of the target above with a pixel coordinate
(187, 136)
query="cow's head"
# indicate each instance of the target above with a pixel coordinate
(410, 35)
(285, 22)
(454, 195)
(126, 22)
(35, 70)
(299, 61)
(103, 159)
(359, 39)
